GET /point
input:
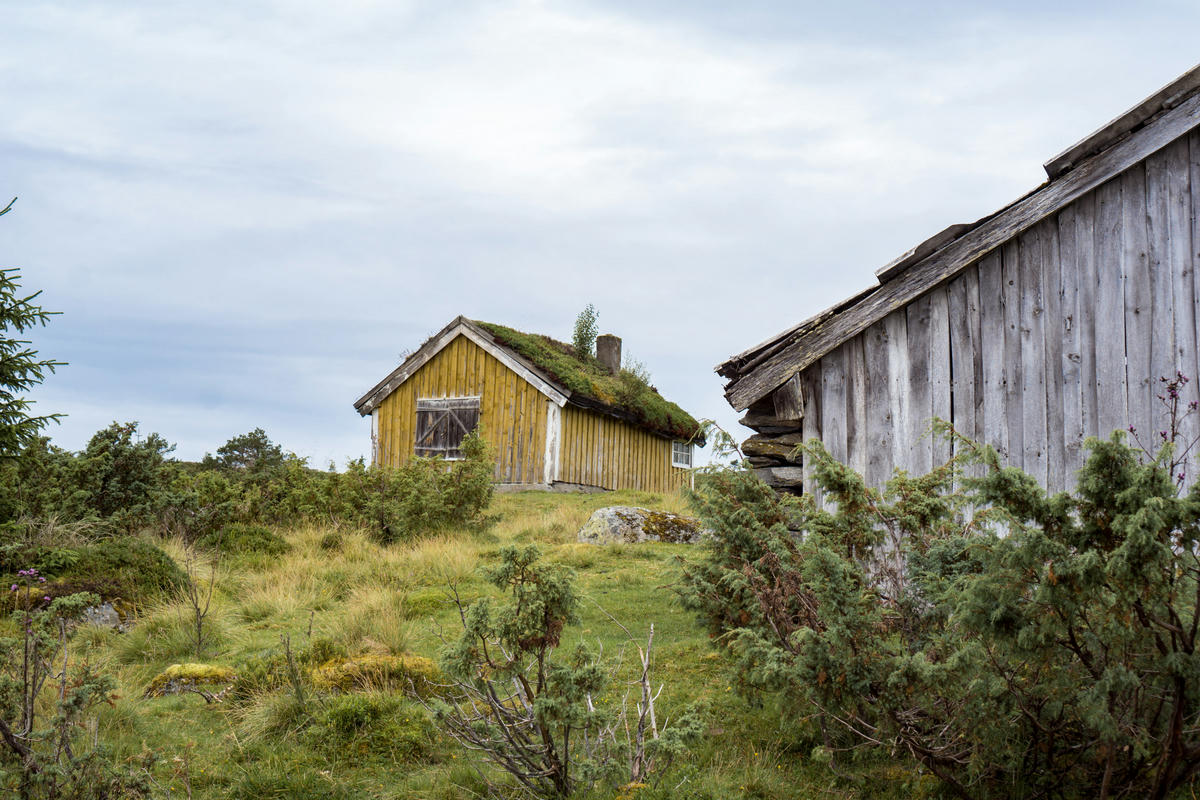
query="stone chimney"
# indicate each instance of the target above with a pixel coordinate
(608, 350)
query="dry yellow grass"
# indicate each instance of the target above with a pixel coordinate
(370, 620)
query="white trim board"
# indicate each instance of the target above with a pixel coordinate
(553, 442)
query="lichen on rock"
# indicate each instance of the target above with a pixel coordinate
(179, 678)
(630, 524)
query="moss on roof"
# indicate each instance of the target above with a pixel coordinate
(584, 376)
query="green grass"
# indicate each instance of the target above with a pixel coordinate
(363, 598)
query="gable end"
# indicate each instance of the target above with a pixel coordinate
(461, 326)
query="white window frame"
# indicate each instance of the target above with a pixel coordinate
(676, 460)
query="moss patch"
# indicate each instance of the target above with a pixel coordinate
(373, 671)
(181, 677)
(584, 375)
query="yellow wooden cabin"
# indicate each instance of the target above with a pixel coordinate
(554, 419)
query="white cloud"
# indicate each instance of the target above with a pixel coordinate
(301, 191)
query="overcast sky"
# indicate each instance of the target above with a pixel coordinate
(247, 211)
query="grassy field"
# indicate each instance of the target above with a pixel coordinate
(342, 591)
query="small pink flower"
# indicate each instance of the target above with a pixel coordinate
(14, 588)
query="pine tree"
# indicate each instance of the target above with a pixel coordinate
(20, 367)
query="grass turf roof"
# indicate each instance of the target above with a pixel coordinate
(586, 377)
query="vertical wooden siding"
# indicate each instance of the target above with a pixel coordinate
(598, 450)
(512, 413)
(1060, 334)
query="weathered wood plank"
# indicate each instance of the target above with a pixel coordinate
(994, 427)
(964, 350)
(939, 371)
(876, 401)
(921, 251)
(916, 452)
(1070, 356)
(1183, 171)
(1159, 241)
(896, 325)
(1167, 97)
(1140, 380)
(1033, 356)
(857, 443)
(1184, 256)
(1010, 266)
(1169, 239)
(788, 401)
(1088, 283)
(833, 404)
(1111, 396)
(944, 263)
(1054, 330)
(810, 381)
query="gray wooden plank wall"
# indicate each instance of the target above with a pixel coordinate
(1060, 334)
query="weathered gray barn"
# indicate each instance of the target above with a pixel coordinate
(1031, 329)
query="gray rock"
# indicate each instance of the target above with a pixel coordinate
(104, 616)
(631, 525)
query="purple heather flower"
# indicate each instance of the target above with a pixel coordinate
(1179, 476)
(41, 579)
(46, 598)
(1163, 434)
(1132, 429)
(14, 588)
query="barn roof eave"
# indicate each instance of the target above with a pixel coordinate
(1163, 100)
(755, 373)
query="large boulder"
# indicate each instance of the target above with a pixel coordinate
(631, 524)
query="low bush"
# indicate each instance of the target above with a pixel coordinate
(356, 726)
(422, 496)
(125, 569)
(135, 568)
(240, 539)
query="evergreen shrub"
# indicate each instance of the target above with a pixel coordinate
(1011, 641)
(241, 538)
